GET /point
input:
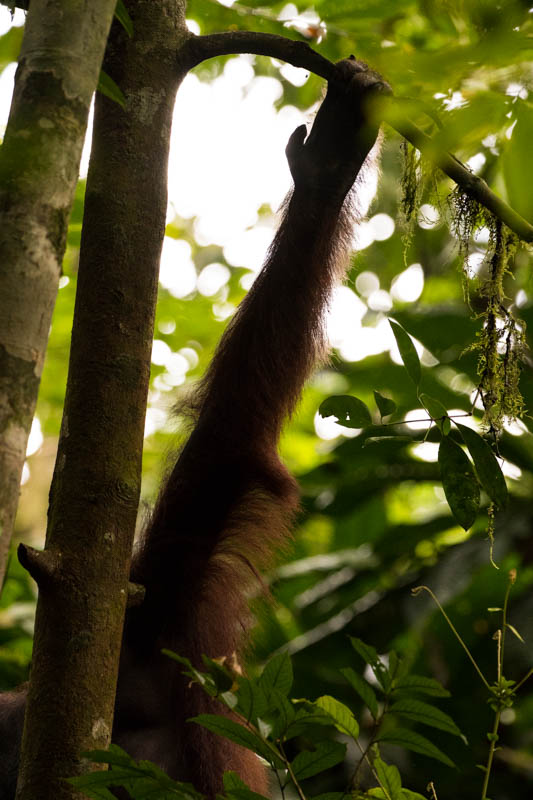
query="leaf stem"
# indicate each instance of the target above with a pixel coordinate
(419, 589)
(493, 740)
(292, 776)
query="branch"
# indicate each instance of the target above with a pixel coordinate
(472, 184)
(41, 564)
(199, 48)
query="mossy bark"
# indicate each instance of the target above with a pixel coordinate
(83, 573)
(62, 50)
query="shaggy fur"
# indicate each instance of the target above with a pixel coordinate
(229, 502)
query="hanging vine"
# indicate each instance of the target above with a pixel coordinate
(500, 344)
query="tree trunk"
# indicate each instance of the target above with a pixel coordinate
(58, 71)
(83, 572)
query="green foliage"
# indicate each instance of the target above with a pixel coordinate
(264, 720)
(460, 481)
(376, 521)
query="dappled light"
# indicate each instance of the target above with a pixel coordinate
(408, 285)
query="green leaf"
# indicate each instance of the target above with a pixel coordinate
(121, 13)
(459, 482)
(425, 713)
(487, 467)
(407, 794)
(109, 88)
(370, 656)
(415, 742)
(515, 155)
(349, 411)
(277, 674)
(389, 778)
(408, 352)
(385, 405)
(325, 755)
(363, 689)
(513, 630)
(344, 719)
(251, 699)
(280, 713)
(305, 720)
(238, 734)
(435, 409)
(419, 683)
(141, 779)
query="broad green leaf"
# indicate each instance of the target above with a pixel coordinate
(415, 742)
(363, 689)
(277, 674)
(251, 699)
(419, 683)
(141, 779)
(459, 482)
(109, 88)
(385, 405)
(324, 756)
(408, 352)
(349, 411)
(121, 13)
(435, 409)
(370, 656)
(407, 794)
(238, 734)
(305, 719)
(280, 713)
(389, 778)
(425, 713)
(487, 467)
(341, 714)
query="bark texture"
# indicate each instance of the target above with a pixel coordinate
(58, 71)
(95, 490)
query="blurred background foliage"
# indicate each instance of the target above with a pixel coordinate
(374, 522)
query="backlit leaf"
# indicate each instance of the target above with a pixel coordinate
(389, 778)
(341, 714)
(385, 405)
(349, 411)
(408, 352)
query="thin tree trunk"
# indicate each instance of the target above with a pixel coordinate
(83, 572)
(57, 74)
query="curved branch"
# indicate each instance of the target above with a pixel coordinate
(199, 48)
